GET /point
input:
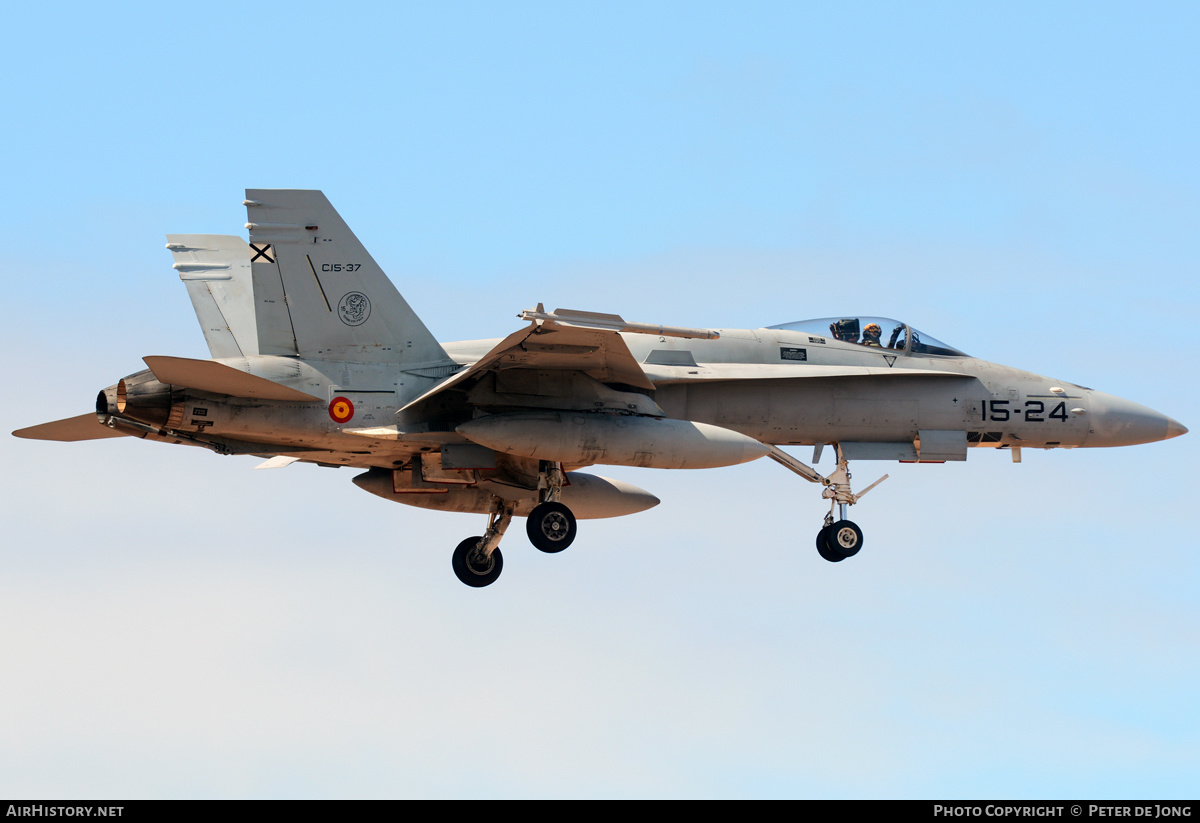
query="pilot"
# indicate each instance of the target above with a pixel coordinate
(871, 335)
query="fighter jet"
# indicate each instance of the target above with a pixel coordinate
(317, 358)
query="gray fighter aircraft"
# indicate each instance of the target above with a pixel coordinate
(316, 357)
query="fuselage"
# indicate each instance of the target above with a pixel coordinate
(778, 386)
(794, 388)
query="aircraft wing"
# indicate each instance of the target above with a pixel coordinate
(72, 430)
(593, 348)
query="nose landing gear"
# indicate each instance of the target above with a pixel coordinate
(841, 538)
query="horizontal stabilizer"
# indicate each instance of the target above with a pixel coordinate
(71, 430)
(217, 378)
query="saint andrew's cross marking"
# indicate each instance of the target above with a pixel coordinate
(263, 252)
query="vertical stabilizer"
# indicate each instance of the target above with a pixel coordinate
(341, 304)
(215, 268)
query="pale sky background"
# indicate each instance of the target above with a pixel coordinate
(1019, 180)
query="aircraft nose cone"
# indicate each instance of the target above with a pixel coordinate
(1116, 421)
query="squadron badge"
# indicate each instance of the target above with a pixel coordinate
(354, 308)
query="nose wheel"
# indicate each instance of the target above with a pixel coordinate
(839, 540)
(823, 547)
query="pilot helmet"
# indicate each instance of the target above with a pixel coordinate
(872, 330)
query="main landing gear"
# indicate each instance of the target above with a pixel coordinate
(477, 560)
(551, 528)
(840, 538)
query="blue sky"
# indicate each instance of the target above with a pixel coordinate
(1018, 181)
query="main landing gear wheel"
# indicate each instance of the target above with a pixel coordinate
(551, 527)
(839, 540)
(474, 571)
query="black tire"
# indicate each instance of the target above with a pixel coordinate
(476, 576)
(551, 527)
(845, 538)
(823, 547)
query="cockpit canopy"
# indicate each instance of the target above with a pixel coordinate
(873, 332)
